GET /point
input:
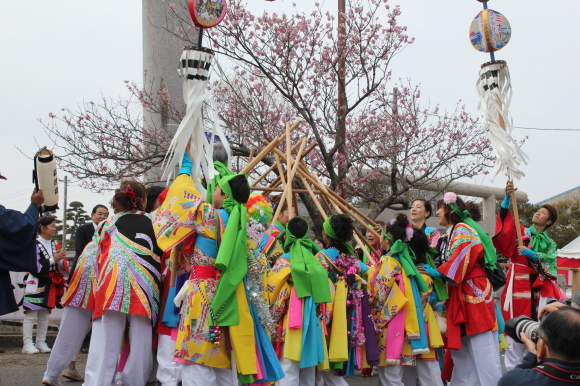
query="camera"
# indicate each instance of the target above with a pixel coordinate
(517, 325)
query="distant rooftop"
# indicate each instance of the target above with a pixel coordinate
(557, 195)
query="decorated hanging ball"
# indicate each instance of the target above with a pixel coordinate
(490, 31)
(207, 13)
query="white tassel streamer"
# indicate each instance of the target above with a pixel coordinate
(194, 70)
(494, 97)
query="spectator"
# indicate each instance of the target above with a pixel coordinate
(85, 233)
(44, 286)
(555, 360)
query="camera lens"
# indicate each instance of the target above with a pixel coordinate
(514, 327)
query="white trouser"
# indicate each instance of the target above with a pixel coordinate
(477, 363)
(40, 317)
(514, 353)
(391, 375)
(294, 375)
(168, 371)
(428, 373)
(332, 380)
(200, 375)
(75, 324)
(106, 346)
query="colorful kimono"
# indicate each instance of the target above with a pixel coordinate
(433, 235)
(45, 287)
(128, 260)
(184, 218)
(351, 334)
(471, 308)
(300, 335)
(270, 245)
(83, 281)
(527, 281)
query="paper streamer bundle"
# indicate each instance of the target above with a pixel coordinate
(494, 93)
(45, 177)
(194, 69)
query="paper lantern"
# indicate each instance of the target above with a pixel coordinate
(490, 31)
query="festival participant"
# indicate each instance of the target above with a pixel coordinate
(375, 243)
(43, 287)
(532, 274)
(318, 240)
(297, 285)
(350, 333)
(199, 345)
(471, 317)
(127, 290)
(18, 233)
(274, 237)
(153, 198)
(420, 211)
(402, 310)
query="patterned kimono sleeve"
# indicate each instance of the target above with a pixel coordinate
(279, 289)
(434, 238)
(548, 259)
(42, 264)
(462, 242)
(388, 299)
(206, 221)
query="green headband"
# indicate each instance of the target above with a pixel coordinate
(223, 171)
(407, 258)
(488, 248)
(309, 276)
(330, 232)
(231, 259)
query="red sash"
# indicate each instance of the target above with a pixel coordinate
(205, 272)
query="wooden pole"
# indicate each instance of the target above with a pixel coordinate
(251, 154)
(283, 179)
(517, 219)
(575, 280)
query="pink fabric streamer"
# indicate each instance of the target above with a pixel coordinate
(125, 351)
(295, 309)
(396, 331)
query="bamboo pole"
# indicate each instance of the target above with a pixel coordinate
(251, 154)
(250, 166)
(283, 179)
(291, 167)
(517, 218)
(278, 190)
(575, 280)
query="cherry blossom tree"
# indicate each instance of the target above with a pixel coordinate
(287, 67)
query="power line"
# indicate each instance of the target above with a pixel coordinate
(538, 128)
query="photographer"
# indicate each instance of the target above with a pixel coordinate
(555, 360)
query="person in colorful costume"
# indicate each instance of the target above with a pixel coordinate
(79, 303)
(402, 308)
(375, 243)
(351, 339)
(127, 290)
(532, 274)
(471, 313)
(43, 287)
(297, 285)
(169, 371)
(273, 240)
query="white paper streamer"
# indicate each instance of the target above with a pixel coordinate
(494, 97)
(191, 131)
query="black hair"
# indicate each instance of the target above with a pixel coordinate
(343, 227)
(297, 226)
(561, 332)
(97, 208)
(552, 214)
(45, 221)
(453, 218)
(152, 193)
(240, 189)
(426, 204)
(418, 243)
(123, 203)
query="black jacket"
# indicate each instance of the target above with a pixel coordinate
(83, 236)
(17, 250)
(526, 373)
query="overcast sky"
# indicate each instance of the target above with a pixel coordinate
(58, 53)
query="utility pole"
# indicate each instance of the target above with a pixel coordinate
(341, 111)
(64, 214)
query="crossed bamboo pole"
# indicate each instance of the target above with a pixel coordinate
(296, 168)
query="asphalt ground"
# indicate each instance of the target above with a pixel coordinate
(17, 369)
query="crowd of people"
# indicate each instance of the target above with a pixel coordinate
(175, 287)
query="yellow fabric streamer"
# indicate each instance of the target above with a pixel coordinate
(338, 347)
(242, 336)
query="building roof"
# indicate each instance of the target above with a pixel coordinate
(557, 195)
